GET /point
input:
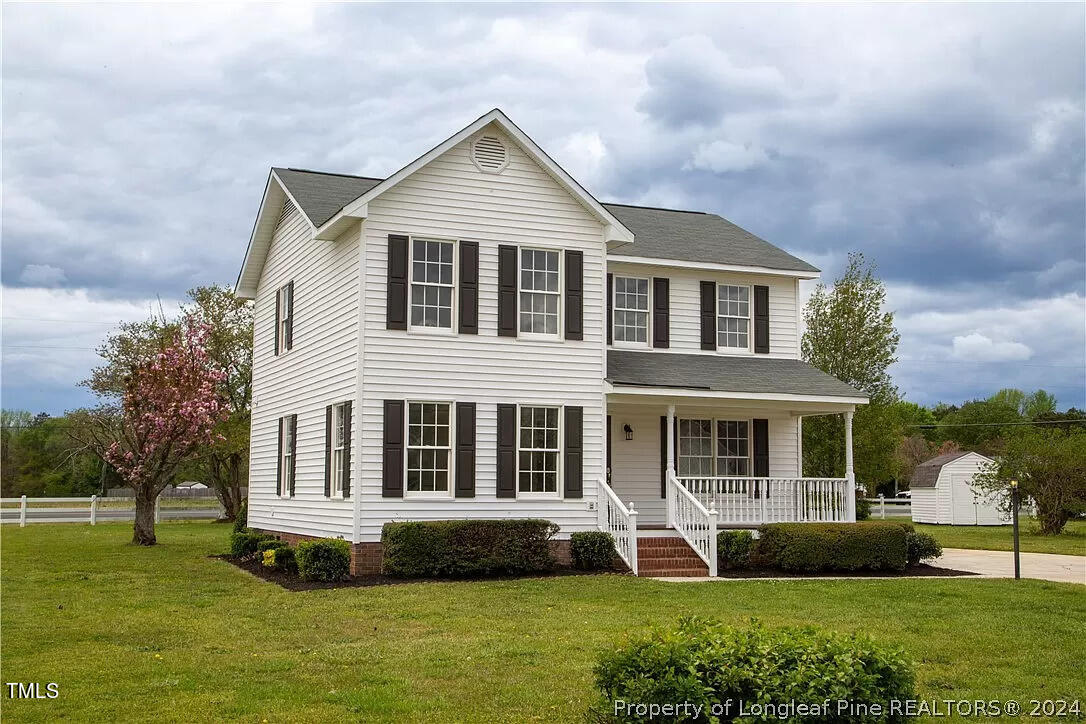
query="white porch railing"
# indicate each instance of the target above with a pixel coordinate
(695, 521)
(621, 522)
(772, 500)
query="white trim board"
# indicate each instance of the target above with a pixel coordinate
(710, 266)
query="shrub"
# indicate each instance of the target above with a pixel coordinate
(920, 547)
(459, 548)
(281, 559)
(592, 550)
(817, 547)
(707, 663)
(327, 559)
(241, 520)
(271, 544)
(246, 542)
(733, 548)
(863, 506)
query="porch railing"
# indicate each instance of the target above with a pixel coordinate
(772, 500)
(621, 522)
(695, 521)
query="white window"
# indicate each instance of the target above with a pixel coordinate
(631, 310)
(431, 283)
(538, 450)
(285, 303)
(539, 291)
(428, 448)
(339, 446)
(286, 447)
(733, 316)
(700, 455)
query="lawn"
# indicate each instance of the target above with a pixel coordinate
(166, 633)
(1071, 541)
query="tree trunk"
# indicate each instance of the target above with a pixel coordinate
(143, 532)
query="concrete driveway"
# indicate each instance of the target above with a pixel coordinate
(1000, 564)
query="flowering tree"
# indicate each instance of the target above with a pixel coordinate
(168, 411)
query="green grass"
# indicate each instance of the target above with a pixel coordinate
(165, 633)
(1071, 541)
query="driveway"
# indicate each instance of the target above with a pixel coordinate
(1000, 564)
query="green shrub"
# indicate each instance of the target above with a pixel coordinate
(733, 549)
(241, 520)
(460, 548)
(592, 550)
(863, 507)
(818, 547)
(327, 559)
(246, 542)
(281, 559)
(709, 664)
(921, 547)
(271, 544)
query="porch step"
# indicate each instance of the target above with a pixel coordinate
(668, 557)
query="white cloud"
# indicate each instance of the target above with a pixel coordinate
(42, 275)
(976, 347)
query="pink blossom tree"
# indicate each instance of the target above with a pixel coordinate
(167, 414)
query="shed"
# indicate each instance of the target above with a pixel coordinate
(943, 492)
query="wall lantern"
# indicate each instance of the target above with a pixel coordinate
(629, 432)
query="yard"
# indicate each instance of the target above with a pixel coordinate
(1071, 541)
(165, 633)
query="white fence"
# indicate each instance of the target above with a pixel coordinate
(883, 508)
(772, 500)
(91, 510)
(621, 523)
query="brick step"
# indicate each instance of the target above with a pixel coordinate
(669, 562)
(676, 573)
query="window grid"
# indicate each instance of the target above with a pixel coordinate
(286, 309)
(288, 456)
(697, 457)
(339, 445)
(695, 448)
(428, 447)
(733, 447)
(431, 283)
(538, 450)
(631, 310)
(539, 295)
(733, 316)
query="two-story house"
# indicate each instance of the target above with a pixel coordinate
(476, 336)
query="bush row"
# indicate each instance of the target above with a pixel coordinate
(467, 548)
(318, 560)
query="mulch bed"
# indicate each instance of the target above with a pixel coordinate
(922, 570)
(294, 583)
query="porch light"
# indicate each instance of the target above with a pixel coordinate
(629, 432)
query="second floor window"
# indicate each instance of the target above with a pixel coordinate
(733, 317)
(431, 283)
(631, 310)
(339, 446)
(428, 448)
(539, 291)
(284, 302)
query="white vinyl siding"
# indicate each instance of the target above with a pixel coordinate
(685, 306)
(321, 367)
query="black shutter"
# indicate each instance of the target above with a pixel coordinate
(278, 297)
(610, 308)
(608, 450)
(279, 461)
(469, 287)
(761, 319)
(465, 449)
(507, 291)
(329, 433)
(346, 449)
(290, 316)
(663, 452)
(574, 295)
(708, 315)
(661, 312)
(293, 452)
(392, 460)
(760, 442)
(396, 294)
(574, 452)
(507, 451)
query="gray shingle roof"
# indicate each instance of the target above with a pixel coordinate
(927, 473)
(695, 236)
(722, 373)
(323, 195)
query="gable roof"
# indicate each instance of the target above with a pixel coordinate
(699, 237)
(927, 473)
(320, 195)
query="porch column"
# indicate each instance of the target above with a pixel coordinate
(670, 433)
(850, 475)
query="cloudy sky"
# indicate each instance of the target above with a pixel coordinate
(945, 142)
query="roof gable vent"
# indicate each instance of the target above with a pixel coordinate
(489, 154)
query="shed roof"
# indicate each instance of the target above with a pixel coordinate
(927, 473)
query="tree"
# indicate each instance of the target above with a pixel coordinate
(979, 424)
(170, 407)
(850, 336)
(1049, 464)
(1038, 403)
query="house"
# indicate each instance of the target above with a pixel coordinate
(943, 492)
(476, 336)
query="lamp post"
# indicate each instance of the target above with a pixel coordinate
(1014, 522)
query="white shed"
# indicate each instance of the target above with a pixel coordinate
(943, 492)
